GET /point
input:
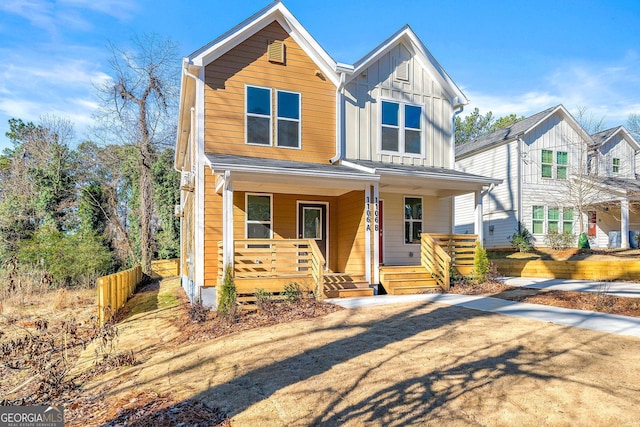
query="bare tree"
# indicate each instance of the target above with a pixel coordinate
(138, 108)
(633, 125)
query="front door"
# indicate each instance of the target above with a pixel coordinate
(312, 224)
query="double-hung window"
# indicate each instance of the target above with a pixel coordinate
(553, 217)
(412, 219)
(259, 128)
(567, 220)
(616, 165)
(258, 120)
(288, 106)
(401, 128)
(561, 164)
(259, 216)
(538, 220)
(547, 164)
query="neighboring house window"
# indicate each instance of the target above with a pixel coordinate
(288, 119)
(567, 220)
(259, 216)
(553, 215)
(258, 123)
(412, 219)
(259, 128)
(616, 165)
(547, 164)
(562, 162)
(538, 220)
(401, 128)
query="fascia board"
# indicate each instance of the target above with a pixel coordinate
(444, 177)
(187, 100)
(296, 172)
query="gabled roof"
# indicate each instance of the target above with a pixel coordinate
(601, 138)
(516, 130)
(406, 36)
(276, 11)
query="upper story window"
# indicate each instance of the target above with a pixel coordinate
(259, 113)
(258, 121)
(288, 119)
(401, 128)
(616, 165)
(561, 163)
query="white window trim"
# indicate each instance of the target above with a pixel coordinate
(404, 220)
(247, 114)
(401, 148)
(246, 214)
(299, 120)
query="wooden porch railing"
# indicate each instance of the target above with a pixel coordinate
(460, 247)
(276, 258)
(435, 260)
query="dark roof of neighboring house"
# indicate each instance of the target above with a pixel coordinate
(502, 135)
(422, 171)
(600, 137)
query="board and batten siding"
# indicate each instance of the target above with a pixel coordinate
(617, 148)
(500, 205)
(555, 134)
(247, 64)
(362, 121)
(436, 218)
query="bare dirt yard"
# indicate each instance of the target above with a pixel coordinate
(405, 364)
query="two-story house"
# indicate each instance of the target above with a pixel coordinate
(557, 178)
(296, 168)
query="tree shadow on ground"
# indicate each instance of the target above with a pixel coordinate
(402, 402)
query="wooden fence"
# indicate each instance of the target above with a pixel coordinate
(165, 267)
(114, 290)
(460, 247)
(435, 260)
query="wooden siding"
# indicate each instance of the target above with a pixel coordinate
(247, 63)
(212, 228)
(187, 244)
(436, 218)
(379, 81)
(350, 232)
(619, 148)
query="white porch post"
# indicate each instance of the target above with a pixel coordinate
(227, 221)
(624, 223)
(367, 234)
(478, 227)
(376, 234)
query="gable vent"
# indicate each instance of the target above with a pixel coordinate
(275, 51)
(402, 71)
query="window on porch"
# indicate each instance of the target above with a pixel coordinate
(412, 219)
(259, 216)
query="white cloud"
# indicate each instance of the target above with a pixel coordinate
(609, 90)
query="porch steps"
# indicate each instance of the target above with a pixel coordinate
(401, 280)
(338, 285)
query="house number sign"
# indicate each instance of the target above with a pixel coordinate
(375, 213)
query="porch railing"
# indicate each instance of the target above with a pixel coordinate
(436, 260)
(442, 253)
(276, 258)
(460, 247)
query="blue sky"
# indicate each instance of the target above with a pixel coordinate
(508, 57)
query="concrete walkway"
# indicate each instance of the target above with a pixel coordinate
(610, 323)
(620, 289)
